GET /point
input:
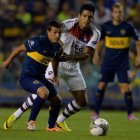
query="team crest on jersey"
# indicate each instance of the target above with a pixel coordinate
(50, 72)
(123, 32)
(35, 82)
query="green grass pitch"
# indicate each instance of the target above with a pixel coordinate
(120, 127)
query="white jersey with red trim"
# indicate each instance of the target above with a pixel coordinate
(75, 40)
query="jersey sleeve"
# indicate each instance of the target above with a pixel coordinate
(134, 32)
(68, 24)
(94, 39)
(31, 44)
(103, 33)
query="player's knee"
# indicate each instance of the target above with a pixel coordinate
(102, 85)
(82, 102)
(56, 100)
(126, 88)
(43, 92)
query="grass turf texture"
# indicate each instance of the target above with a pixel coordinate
(120, 127)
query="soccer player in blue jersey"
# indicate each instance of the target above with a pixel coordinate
(40, 51)
(117, 35)
(79, 37)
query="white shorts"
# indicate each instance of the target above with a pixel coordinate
(72, 76)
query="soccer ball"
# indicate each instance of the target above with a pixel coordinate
(99, 127)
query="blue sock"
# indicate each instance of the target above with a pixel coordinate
(98, 100)
(128, 102)
(38, 103)
(53, 114)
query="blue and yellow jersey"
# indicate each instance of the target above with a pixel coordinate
(40, 51)
(117, 42)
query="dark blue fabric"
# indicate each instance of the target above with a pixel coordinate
(38, 103)
(128, 102)
(31, 84)
(98, 100)
(117, 58)
(108, 74)
(53, 114)
(43, 46)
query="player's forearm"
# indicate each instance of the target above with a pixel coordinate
(78, 57)
(98, 47)
(55, 64)
(14, 53)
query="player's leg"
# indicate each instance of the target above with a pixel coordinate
(77, 86)
(124, 77)
(34, 86)
(106, 75)
(25, 106)
(42, 93)
(17, 114)
(54, 109)
(99, 99)
(80, 100)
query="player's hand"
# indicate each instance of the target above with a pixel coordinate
(57, 82)
(5, 64)
(137, 61)
(64, 57)
(95, 59)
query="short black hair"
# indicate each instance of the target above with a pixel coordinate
(87, 6)
(53, 23)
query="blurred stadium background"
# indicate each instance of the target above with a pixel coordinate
(23, 19)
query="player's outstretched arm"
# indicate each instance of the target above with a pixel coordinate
(55, 63)
(77, 57)
(14, 53)
(137, 61)
(95, 58)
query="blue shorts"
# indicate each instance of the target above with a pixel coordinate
(108, 75)
(31, 85)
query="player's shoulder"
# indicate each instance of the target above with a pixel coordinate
(94, 29)
(108, 23)
(69, 23)
(127, 23)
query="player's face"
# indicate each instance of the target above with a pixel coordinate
(117, 14)
(54, 34)
(85, 18)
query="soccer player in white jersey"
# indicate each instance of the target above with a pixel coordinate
(79, 39)
(79, 35)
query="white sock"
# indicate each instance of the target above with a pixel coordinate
(25, 106)
(70, 109)
(18, 113)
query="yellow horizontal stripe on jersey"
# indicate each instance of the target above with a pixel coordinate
(40, 58)
(117, 42)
